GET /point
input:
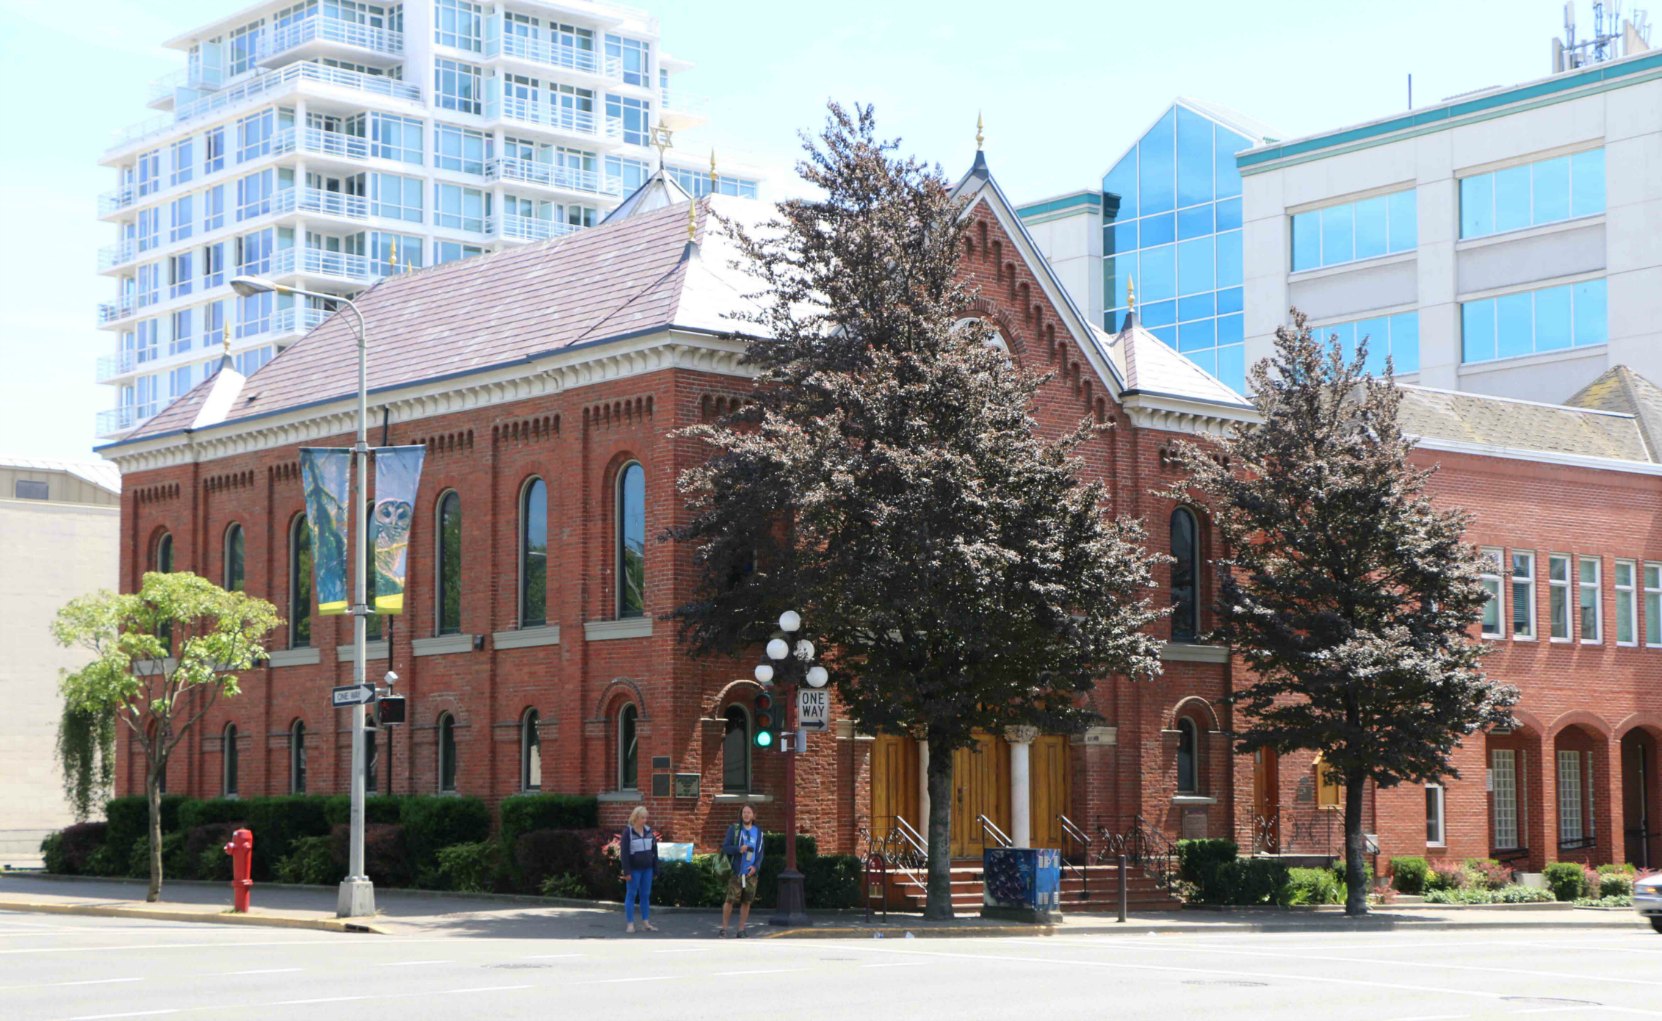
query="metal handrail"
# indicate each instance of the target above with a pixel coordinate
(998, 834)
(1073, 833)
(873, 861)
(1142, 845)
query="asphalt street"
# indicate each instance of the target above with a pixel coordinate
(60, 967)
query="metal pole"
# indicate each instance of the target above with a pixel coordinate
(1122, 888)
(357, 893)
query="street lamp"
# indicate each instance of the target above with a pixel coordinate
(792, 666)
(357, 893)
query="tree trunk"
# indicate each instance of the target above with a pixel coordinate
(153, 793)
(1356, 879)
(939, 833)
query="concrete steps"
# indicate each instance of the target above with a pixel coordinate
(1095, 891)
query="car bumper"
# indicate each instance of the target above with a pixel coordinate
(1648, 904)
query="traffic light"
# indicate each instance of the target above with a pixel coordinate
(765, 717)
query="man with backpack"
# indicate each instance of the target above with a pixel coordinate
(742, 847)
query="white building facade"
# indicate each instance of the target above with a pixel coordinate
(1507, 242)
(328, 143)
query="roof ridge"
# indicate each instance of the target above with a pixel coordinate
(1517, 400)
(1625, 377)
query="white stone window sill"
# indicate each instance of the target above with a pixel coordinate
(1533, 358)
(442, 645)
(611, 797)
(1318, 272)
(1193, 799)
(610, 630)
(1525, 233)
(1194, 652)
(304, 656)
(527, 637)
(372, 650)
(743, 799)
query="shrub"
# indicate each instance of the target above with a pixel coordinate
(129, 824)
(470, 868)
(523, 813)
(543, 855)
(1409, 873)
(1199, 864)
(1311, 886)
(201, 853)
(832, 881)
(310, 861)
(194, 812)
(1624, 868)
(1253, 880)
(51, 852)
(1447, 875)
(691, 884)
(1616, 884)
(1566, 879)
(1338, 870)
(567, 885)
(386, 853)
(173, 862)
(72, 848)
(431, 823)
(1611, 901)
(1488, 873)
(1483, 895)
(378, 808)
(773, 863)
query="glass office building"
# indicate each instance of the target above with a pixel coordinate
(1171, 222)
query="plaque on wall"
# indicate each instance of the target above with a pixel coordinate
(687, 785)
(660, 762)
(660, 785)
(1306, 793)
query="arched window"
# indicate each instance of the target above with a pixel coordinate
(297, 758)
(533, 554)
(448, 586)
(447, 752)
(631, 541)
(235, 556)
(530, 751)
(300, 583)
(161, 557)
(228, 750)
(735, 752)
(1185, 616)
(628, 750)
(1188, 756)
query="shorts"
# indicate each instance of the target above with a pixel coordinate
(741, 889)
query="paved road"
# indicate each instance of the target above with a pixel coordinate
(55, 967)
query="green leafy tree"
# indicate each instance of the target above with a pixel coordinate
(1350, 597)
(162, 657)
(888, 481)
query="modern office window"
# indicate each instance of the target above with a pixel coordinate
(181, 218)
(1352, 231)
(250, 361)
(254, 194)
(1558, 597)
(447, 752)
(213, 273)
(1533, 322)
(630, 553)
(254, 313)
(149, 233)
(1592, 612)
(149, 172)
(1490, 577)
(146, 343)
(147, 398)
(234, 559)
(1627, 607)
(459, 24)
(1503, 774)
(447, 588)
(735, 751)
(456, 86)
(530, 752)
(254, 134)
(393, 253)
(634, 59)
(1393, 336)
(300, 583)
(183, 158)
(1188, 756)
(228, 756)
(178, 382)
(635, 115)
(213, 325)
(630, 174)
(244, 41)
(460, 208)
(1546, 191)
(396, 197)
(1523, 595)
(1569, 798)
(213, 150)
(628, 749)
(179, 274)
(395, 138)
(213, 208)
(533, 554)
(1185, 604)
(1434, 830)
(460, 149)
(450, 251)
(1653, 604)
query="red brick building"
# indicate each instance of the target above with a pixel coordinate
(547, 384)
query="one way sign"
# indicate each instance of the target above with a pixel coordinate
(353, 694)
(813, 708)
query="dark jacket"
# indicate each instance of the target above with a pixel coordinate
(636, 858)
(731, 848)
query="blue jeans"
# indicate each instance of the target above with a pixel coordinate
(639, 888)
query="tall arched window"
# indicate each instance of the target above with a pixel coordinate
(161, 558)
(447, 589)
(735, 752)
(300, 583)
(235, 556)
(530, 752)
(297, 758)
(628, 749)
(447, 752)
(533, 554)
(1185, 616)
(631, 541)
(1188, 756)
(228, 752)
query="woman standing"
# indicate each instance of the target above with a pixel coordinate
(639, 850)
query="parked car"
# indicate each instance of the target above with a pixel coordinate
(1647, 898)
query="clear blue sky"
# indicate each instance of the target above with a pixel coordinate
(1065, 86)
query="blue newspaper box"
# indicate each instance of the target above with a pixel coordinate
(1022, 883)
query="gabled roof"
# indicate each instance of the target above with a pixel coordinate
(1502, 423)
(1622, 390)
(1151, 366)
(655, 193)
(102, 474)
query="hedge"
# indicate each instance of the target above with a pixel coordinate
(1566, 879)
(523, 813)
(1200, 864)
(1409, 873)
(438, 822)
(1311, 886)
(69, 851)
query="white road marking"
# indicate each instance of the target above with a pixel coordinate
(549, 957)
(97, 981)
(321, 999)
(263, 971)
(758, 971)
(408, 964)
(632, 978)
(680, 950)
(135, 1013)
(1432, 1017)
(484, 989)
(895, 964)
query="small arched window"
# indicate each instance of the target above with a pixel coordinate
(447, 752)
(533, 554)
(735, 752)
(161, 558)
(530, 751)
(448, 587)
(235, 557)
(1188, 756)
(1185, 616)
(297, 758)
(628, 750)
(228, 749)
(631, 541)
(300, 583)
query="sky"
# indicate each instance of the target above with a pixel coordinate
(1064, 87)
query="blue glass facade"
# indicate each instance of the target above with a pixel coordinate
(1172, 222)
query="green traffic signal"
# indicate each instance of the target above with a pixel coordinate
(764, 739)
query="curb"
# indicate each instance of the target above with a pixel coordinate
(163, 914)
(1146, 927)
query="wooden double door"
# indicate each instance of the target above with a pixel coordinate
(980, 787)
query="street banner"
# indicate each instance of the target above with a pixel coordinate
(324, 472)
(397, 474)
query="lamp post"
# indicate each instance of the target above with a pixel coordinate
(795, 666)
(357, 893)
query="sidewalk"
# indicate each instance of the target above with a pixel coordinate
(501, 917)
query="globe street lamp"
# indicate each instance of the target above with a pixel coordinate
(791, 666)
(357, 893)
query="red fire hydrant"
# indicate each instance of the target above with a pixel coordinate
(241, 850)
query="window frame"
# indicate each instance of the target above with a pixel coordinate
(1516, 802)
(530, 741)
(628, 747)
(297, 757)
(1596, 586)
(1494, 559)
(445, 751)
(234, 531)
(228, 761)
(746, 732)
(1185, 616)
(1188, 730)
(1653, 603)
(1569, 777)
(1631, 617)
(450, 501)
(1559, 589)
(525, 491)
(1528, 585)
(300, 596)
(620, 543)
(161, 553)
(1441, 817)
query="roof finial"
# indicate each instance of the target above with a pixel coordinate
(393, 258)
(712, 170)
(406, 263)
(692, 220)
(979, 137)
(1130, 294)
(225, 339)
(661, 141)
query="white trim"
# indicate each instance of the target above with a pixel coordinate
(1498, 576)
(1534, 285)
(442, 645)
(1442, 816)
(1564, 586)
(1648, 567)
(372, 650)
(304, 656)
(1632, 590)
(1597, 585)
(1538, 456)
(527, 637)
(1193, 652)
(1526, 233)
(610, 630)
(1512, 585)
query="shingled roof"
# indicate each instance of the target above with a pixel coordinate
(1505, 423)
(1622, 390)
(1151, 366)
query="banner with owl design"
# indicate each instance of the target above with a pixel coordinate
(324, 474)
(397, 474)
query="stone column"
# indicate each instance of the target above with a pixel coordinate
(922, 822)
(1021, 785)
